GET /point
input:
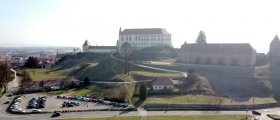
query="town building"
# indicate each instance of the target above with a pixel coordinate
(48, 85)
(98, 49)
(163, 83)
(231, 54)
(146, 37)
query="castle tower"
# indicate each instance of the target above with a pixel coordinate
(86, 45)
(120, 31)
(274, 49)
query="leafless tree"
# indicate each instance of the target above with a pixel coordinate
(126, 51)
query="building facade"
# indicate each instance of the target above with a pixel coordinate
(98, 49)
(142, 38)
(240, 54)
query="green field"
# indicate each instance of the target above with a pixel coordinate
(45, 74)
(191, 117)
(156, 74)
(83, 92)
(1, 91)
(202, 99)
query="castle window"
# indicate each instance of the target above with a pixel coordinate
(234, 62)
(197, 60)
(221, 61)
(209, 60)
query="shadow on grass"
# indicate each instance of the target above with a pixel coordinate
(138, 103)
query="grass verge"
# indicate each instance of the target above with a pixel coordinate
(203, 99)
(191, 117)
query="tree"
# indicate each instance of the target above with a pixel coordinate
(31, 62)
(86, 81)
(201, 39)
(5, 73)
(25, 78)
(143, 92)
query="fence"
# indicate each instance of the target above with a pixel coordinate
(153, 107)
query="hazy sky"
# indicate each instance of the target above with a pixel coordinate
(70, 22)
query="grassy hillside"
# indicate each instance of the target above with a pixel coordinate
(80, 58)
(45, 74)
(69, 66)
(234, 82)
(154, 53)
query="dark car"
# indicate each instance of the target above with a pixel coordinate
(55, 114)
(10, 95)
(256, 112)
(7, 102)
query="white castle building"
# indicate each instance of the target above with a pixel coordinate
(146, 37)
(98, 49)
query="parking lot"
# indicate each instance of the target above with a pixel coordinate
(54, 104)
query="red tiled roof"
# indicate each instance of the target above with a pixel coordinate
(163, 81)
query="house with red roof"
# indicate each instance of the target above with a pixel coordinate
(163, 83)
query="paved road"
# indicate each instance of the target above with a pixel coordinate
(117, 113)
(12, 87)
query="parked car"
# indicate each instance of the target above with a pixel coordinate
(256, 112)
(36, 111)
(55, 114)
(9, 95)
(7, 102)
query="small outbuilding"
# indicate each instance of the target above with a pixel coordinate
(163, 83)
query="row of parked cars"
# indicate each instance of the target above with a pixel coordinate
(100, 101)
(39, 102)
(15, 106)
(71, 103)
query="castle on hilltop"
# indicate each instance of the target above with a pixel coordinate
(136, 38)
(145, 37)
(98, 49)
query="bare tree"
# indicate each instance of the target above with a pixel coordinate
(126, 51)
(25, 78)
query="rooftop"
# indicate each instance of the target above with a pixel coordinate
(143, 31)
(163, 81)
(219, 48)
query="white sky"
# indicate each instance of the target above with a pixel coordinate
(70, 22)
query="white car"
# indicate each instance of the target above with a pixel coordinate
(257, 118)
(36, 111)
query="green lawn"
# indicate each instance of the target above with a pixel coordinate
(1, 91)
(156, 74)
(191, 117)
(83, 92)
(45, 74)
(202, 99)
(58, 92)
